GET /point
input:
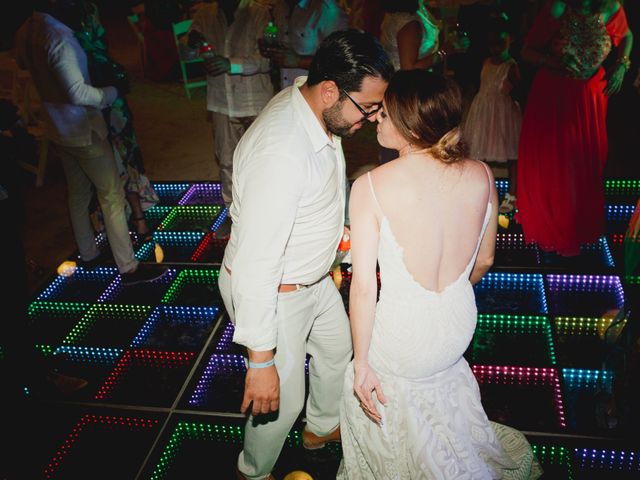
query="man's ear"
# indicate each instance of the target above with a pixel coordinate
(329, 93)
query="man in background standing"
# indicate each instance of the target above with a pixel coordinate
(47, 47)
(239, 85)
(302, 25)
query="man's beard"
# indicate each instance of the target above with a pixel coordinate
(335, 122)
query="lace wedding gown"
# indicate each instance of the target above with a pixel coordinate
(434, 426)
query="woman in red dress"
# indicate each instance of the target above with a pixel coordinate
(160, 44)
(563, 140)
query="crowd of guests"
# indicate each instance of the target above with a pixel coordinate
(494, 49)
(399, 395)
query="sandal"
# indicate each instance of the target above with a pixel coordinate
(143, 236)
(508, 204)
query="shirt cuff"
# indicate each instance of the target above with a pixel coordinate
(110, 95)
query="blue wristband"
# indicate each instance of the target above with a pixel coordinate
(266, 364)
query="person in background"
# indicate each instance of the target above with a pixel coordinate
(492, 125)
(563, 142)
(302, 25)
(410, 34)
(274, 276)
(410, 404)
(47, 47)
(105, 71)
(239, 84)
(366, 15)
(159, 43)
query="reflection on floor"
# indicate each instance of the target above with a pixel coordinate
(165, 380)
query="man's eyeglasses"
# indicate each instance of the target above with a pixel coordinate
(365, 114)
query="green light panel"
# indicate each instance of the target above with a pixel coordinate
(114, 314)
(208, 277)
(518, 325)
(586, 326)
(191, 218)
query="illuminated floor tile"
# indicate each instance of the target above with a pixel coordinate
(51, 322)
(203, 194)
(223, 340)
(584, 295)
(83, 286)
(195, 287)
(108, 325)
(606, 463)
(593, 258)
(522, 397)
(537, 352)
(176, 328)
(502, 186)
(104, 447)
(177, 247)
(588, 395)
(187, 449)
(621, 190)
(193, 218)
(146, 377)
(554, 459)
(155, 215)
(210, 250)
(511, 293)
(632, 280)
(512, 340)
(170, 193)
(146, 293)
(220, 384)
(597, 254)
(93, 364)
(511, 250)
(580, 341)
(618, 218)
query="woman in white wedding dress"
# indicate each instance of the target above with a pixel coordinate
(411, 406)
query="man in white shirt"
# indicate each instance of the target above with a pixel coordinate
(47, 47)
(239, 84)
(302, 25)
(288, 218)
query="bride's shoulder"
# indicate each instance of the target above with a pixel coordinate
(476, 172)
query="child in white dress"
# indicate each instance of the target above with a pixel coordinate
(492, 125)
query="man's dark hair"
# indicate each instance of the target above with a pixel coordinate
(346, 57)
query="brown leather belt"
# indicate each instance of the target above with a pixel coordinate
(288, 287)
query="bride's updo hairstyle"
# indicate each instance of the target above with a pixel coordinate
(426, 109)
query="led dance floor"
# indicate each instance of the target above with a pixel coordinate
(165, 379)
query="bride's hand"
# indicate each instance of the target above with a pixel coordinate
(365, 384)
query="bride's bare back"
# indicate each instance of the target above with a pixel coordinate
(435, 212)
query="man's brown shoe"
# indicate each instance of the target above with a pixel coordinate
(311, 441)
(242, 477)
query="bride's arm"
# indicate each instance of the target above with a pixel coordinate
(364, 255)
(486, 252)
(365, 232)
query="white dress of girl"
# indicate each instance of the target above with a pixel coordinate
(492, 126)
